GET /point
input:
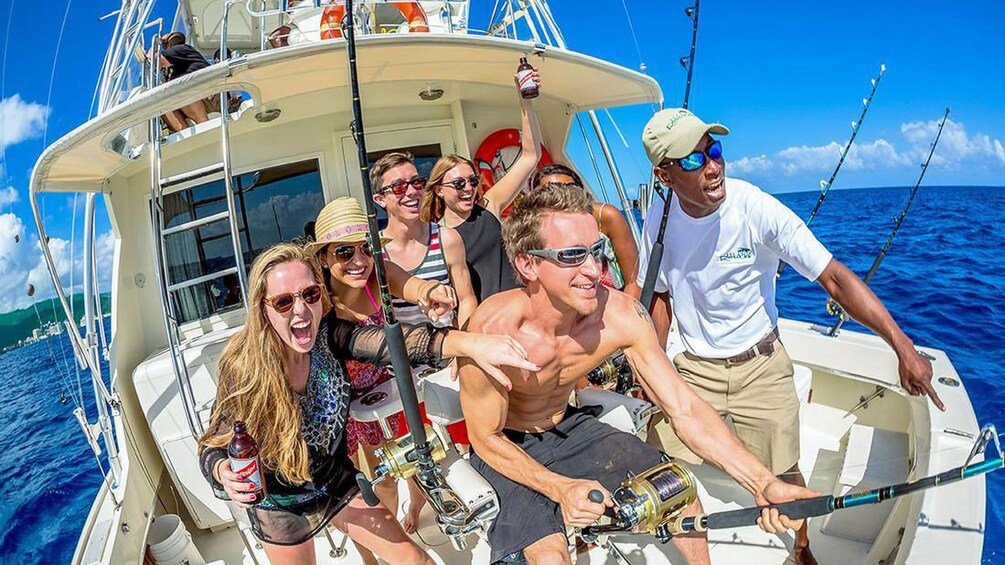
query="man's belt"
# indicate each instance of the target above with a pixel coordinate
(764, 347)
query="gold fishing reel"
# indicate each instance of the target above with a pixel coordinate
(652, 500)
(614, 373)
(399, 459)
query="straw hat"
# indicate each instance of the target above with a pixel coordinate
(341, 221)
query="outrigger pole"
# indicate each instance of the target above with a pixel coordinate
(656, 254)
(825, 185)
(394, 336)
(823, 505)
(832, 306)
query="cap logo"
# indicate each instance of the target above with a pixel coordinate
(677, 117)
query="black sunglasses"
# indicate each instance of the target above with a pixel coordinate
(572, 256)
(345, 253)
(458, 184)
(283, 303)
(400, 187)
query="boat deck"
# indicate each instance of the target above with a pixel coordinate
(823, 437)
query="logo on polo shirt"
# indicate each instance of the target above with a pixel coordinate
(739, 255)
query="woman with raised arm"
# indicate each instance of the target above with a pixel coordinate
(621, 252)
(283, 374)
(454, 200)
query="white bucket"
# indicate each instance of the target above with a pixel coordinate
(171, 544)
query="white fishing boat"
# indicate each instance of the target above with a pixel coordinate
(190, 211)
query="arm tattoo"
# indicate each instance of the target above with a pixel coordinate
(641, 311)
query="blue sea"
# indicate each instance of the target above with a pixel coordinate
(943, 280)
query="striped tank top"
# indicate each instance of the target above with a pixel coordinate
(433, 267)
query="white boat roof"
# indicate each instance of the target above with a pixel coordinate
(470, 68)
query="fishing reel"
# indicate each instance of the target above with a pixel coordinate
(464, 502)
(650, 502)
(615, 374)
(399, 459)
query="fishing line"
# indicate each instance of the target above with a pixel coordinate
(3, 90)
(78, 400)
(642, 64)
(593, 159)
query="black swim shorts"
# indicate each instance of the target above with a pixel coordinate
(579, 447)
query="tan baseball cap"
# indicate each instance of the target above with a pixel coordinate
(674, 133)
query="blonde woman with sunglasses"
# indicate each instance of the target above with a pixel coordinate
(454, 199)
(283, 374)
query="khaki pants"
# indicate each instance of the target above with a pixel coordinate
(758, 395)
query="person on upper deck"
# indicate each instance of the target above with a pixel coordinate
(723, 242)
(454, 200)
(284, 375)
(542, 456)
(622, 253)
(177, 60)
(424, 249)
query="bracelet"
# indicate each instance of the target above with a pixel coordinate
(429, 292)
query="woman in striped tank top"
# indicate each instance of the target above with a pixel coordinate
(425, 250)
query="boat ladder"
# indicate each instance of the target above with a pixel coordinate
(169, 287)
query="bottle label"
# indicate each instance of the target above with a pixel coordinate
(525, 80)
(247, 471)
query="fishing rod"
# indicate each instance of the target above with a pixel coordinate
(426, 467)
(825, 185)
(653, 501)
(833, 307)
(656, 254)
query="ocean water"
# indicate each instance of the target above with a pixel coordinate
(942, 280)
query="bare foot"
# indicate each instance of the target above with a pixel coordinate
(416, 500)
(411, 523)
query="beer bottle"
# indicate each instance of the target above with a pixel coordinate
(528, 86)
(243, 453)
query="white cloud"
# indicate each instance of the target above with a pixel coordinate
(8, 196)
(21, 263)
(956, 149)
(20, 120)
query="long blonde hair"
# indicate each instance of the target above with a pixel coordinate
(432, 207)
(252, 382)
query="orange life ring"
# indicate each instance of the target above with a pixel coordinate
(490, 159)
(331, 19)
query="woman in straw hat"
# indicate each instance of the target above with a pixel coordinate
(283, 375)
(344, 253)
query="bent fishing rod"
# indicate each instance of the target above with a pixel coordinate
(395, 337)
(833, 307)
(825, 185)
(674, 484)
(656, 254)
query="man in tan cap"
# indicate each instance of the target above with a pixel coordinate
(723, 241)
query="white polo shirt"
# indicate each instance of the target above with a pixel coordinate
(720, 270)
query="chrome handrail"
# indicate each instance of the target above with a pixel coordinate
(228, 179)
(180, 367)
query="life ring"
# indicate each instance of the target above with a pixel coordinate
(331, 19)
(498, 153)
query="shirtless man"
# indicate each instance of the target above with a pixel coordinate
(543, 457)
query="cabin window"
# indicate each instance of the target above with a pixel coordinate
(273, 204)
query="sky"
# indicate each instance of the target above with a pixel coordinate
(787, 78)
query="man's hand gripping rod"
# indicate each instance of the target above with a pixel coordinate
(660, 516)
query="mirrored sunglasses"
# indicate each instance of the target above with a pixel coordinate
(572, 256)
(697, 160)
